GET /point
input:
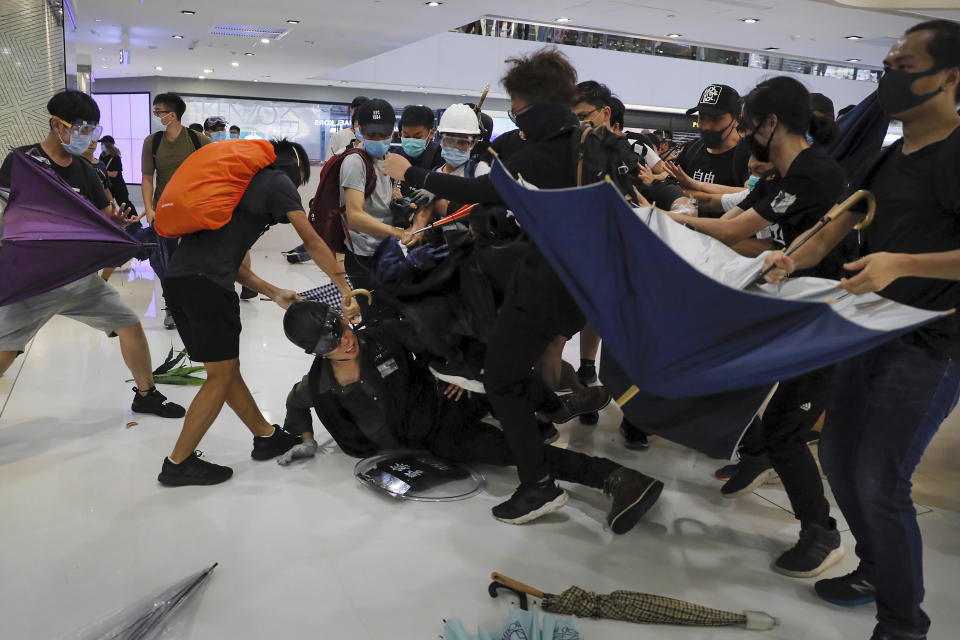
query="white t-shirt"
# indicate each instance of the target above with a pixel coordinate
(481, 169)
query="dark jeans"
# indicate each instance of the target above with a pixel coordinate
(885, 408)
(782, 435)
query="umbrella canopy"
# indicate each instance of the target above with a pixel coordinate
(632, 606)
(668, 302)
(52, 235)
(861, 134)
(521, 625)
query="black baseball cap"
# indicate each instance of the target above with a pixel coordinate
(313, 326)
(716, 100)
(376, 116)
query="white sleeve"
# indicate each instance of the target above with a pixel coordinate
(730, 200)
(651, 157)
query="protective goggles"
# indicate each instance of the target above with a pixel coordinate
(82, 128)
(456, 142)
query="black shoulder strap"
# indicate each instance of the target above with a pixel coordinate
(157, 137)
(194, 138)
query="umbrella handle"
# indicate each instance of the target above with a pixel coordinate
(847, 204)
(516, 585)
(359, 292)
(628, 395)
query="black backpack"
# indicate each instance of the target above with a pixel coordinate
(600, 153)
(158, 137)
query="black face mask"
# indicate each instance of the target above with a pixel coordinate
(760, 151)
(714, 139)
(895, 93)
(540, 120)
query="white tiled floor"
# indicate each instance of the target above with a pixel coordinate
(306, 551)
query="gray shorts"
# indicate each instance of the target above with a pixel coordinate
(89, 300)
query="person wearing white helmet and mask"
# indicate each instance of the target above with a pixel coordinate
(459, 133)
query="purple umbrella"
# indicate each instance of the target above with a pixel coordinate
(52, 235)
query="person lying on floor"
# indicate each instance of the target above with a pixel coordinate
(372, 394)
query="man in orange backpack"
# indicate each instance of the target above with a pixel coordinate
(201, 297)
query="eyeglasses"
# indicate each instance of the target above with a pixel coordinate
(160, 114)
(83, 128)
(463, 144)
(583, 116)
(513, 114)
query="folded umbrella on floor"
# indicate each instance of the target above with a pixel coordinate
(632, 606)
(521, 625)
(148, 619)
(52, 235)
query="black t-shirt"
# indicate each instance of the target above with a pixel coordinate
(113, 163)
(911, 219)
(101, 170)
(217, 253)
(79, 174)
(728, 168)
(796, 202)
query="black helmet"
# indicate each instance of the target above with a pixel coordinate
(313, 326)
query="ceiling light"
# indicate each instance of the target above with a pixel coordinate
(105, 67)
(673, 35)
(208, 70)
(255, 80)
(772, 49)
(177, 37)
(249, 54)
(433, 4)
(159, 68)
(293, 22)
(853, 59)
(750, 20)
(201, 77)
(235, 64)
(265, 40)
(854, 37)
(563, 19)
(421, 88)
(187, 12)
(98, 20)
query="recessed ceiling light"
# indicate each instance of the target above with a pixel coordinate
(854, 37)
(265, 40)
(772, 49)
(853, 59)
(177, 37)
(99, 48)
(187, 12)
(105, 67)
(159, 68)
(563, 19)
(249, 54)
(98, 20)
(208, 70)
(750, 20)
(255, 80)
(293, 22)
(433, 4)
(201, 77)
(673, 35)
(235, 64)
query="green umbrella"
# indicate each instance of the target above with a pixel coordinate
(632, 606)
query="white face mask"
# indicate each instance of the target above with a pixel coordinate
(158, 122)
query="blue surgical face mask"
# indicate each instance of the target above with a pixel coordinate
(752, 182)
(413, 147)
(454, 157)
(78, 144)
(218, 136)
(376, 148)
(234, 135)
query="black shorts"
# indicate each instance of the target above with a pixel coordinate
(207, 317)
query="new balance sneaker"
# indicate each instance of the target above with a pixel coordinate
(530, 502)
(576, 404)
(168, 321)
(587, 373)
(246, 293)
(193, 471)
(752, 472)
(851, 590)
(156, 403)
(634, 438)
(633, 494)
(819, 548)
(278, 443)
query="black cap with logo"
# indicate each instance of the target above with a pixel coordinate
(716, 100)
(376, 116)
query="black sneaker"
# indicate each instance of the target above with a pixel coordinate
(576, 404)
(752, 472)
(530, 502)
(246, 293)
(587, 374)
(851, 590)
(548, 432)
(726, 472)
(881, 634)
(633, 494)
(266, 447)
(819, 548)
(156, 403)
(193, 471)
(634, 438)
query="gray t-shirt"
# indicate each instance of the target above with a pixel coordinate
(353, 175)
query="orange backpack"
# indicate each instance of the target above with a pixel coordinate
(207, 187)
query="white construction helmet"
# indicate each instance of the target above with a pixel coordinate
(459, 118)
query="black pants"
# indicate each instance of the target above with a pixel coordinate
(360, 270)
(781, 434)
(537, 309)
